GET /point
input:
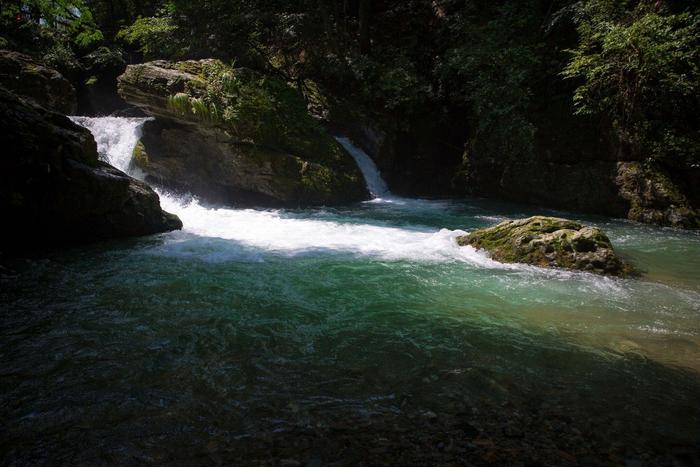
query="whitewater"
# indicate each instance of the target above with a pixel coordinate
(258, 321)
(286, 232)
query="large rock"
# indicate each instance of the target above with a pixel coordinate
(54, 190)
(654, 197)
(47, 87)
(230, 135)
(549, 242)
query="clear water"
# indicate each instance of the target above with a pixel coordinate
(251, 321)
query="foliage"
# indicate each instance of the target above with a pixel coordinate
(113, 15)
(491, 71)
(57, 32)
(61, 57)
(155, 37)
(258, 108)
(641, 66)
(474, 64)
(69, 18)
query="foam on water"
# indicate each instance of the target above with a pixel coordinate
(273, 231)
(116, 137)
(387, 237)
(233, 234)
(277, 231)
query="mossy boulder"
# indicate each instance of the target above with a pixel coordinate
(22, 75)
(233, 135)
(549, 242)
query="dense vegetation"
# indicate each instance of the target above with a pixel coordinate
(633, 63)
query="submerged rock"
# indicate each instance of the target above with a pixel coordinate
(230, 135)
(47, 87)
(549, 242)
(54, 190)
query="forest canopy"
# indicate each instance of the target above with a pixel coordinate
(633, 62)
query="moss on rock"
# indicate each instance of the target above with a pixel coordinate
(20, 74)
(140, 155)
(654, 198)
(549, 242)
(255, 130)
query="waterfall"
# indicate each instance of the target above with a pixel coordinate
(249, 233)
(116, 138)
(373, 178)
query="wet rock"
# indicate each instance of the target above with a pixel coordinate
(654, 198)
(256, 145)
(549, 242)
(22, 75)
(55, 191)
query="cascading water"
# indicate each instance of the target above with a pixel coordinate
(285, 232)
(362, 319)
(116, 138)
(375, 183)
(378, 188)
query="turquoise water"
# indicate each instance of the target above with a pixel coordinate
(253, 321)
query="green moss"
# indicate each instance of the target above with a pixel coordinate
(548, 242)
(192, 67)
(32, 68)
(261, 110)
(318, 179)
(666, 187)
(140, 155)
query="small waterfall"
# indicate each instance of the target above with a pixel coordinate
(246, 233)
(116, 138)
(373, 178)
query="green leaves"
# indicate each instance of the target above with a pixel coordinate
(155, 36)
(491, 68)
(641, 66)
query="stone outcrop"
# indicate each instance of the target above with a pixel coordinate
(654, 198)
(55, 191)
(22, 75)
(549, 242)
(281, 157)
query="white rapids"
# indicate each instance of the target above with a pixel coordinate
(116, 138)
(288, 232)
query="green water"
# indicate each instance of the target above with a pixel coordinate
(252, 324)
(239, 325)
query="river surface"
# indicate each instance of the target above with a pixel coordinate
(251, 321)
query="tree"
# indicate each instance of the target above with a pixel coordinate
(640, 65)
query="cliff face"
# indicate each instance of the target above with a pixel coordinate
(55, 191)
(579, 164)
(228, 135)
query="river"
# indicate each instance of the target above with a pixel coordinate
(256, 321)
